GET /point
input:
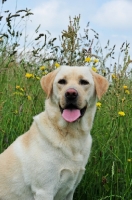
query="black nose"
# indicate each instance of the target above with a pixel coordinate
(71, 94)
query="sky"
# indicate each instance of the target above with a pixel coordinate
(110, 18)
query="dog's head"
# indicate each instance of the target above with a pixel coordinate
(73, 89)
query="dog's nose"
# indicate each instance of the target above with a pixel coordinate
(71, 94)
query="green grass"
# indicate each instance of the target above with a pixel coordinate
(109, 170)
(16, 110)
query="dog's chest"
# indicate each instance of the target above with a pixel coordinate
(69, 179)
(72, 168)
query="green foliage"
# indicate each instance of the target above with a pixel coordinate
(21, 99)
(109, 170)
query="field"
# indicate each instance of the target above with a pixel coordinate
(109, 170)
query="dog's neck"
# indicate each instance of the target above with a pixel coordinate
(84, 124)
(70, 136)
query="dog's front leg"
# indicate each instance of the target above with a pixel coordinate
(70, 196)
(43, 195)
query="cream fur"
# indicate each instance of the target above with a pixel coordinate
(48, 161)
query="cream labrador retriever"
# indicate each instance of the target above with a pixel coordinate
(48, 161)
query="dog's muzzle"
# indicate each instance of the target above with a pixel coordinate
(71, 112)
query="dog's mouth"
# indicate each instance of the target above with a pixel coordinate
(71, 113)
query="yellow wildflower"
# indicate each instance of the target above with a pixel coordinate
(96, 60)
(94, 69)
(88, 59)
(37, 77)
(42, 68)
(98, 104)
(57, 65)
(28, 75)
(129, 160)
(29, 98)
(121, 113)
(125, 87)
(113, 76)
(17, 87)
(22, 89)
(127, 91)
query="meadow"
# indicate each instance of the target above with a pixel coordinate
(109, 169)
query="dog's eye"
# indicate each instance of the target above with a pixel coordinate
(62, 81)
(83, 82)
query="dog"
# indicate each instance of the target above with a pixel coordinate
(48, 161)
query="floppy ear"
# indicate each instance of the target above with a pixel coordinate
(101, 84)
(47, 82)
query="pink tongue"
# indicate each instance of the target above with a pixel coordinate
(71, 115)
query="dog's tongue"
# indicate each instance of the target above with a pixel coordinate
(71, 115)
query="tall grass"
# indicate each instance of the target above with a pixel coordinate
(109, 170)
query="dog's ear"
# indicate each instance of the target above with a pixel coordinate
(101, 84)
(47, 82)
